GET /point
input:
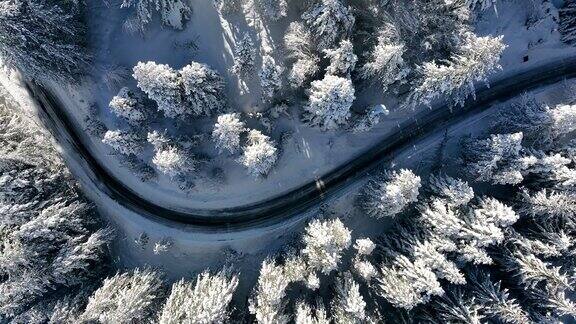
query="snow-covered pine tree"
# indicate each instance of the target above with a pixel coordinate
(173, 162)
(331, 20)
(329, 102)
(391, 193)
(43, 38)
(342, 59)
(259, 154)
(496, 301)
(567, 24)
(161, 83)
(126, 105)
(305, 314)
(130, 297)
(385, 62)
(477, 57)
(273, 9)
(324, 241)
(202, 88)
(497, 159)
(268, 304)
(244, 56)
(406, 284)
(123, 142)
(173, 13)
(227, 131)
(270, 78)
(205, 301)
(194, 90)
(299, 43)
(348, 306)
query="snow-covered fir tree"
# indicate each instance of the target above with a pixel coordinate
(202, 88)
(385, 62)
(126, 298)
(123, 142)
(306, 314)
(227, 131)
(342, 59)
(330, 21)
(244, 56)
(567, 24)
(477, 57)
(324, 241)
(194, 90)
(259, 154)
(126, 105)
(348, 306)
(273, 9)
(43, 38)
(205, 301)
(173, 13)
(268, 304)
(173, 162)
(298, 41)
(406, 284)
(161, 83)
(329, 102)
(497, 159)
(390, 194)
(270, 77)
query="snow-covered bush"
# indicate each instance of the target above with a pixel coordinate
(324, 241)
(567, 24)
(389, 195)
(298, 41)
(270, 77)
(244, 56)
(194, 90)
(205, 301)
(173, 162)
(385, 62)
(329, 102)
(477, 57)
(371, 118)
(227, 131)
(342, 59)
(130, 297)
(259, 154)
(202, 88)
(124, 142)
(126, 105)
(330, 20)
(43, 38)
(173, 13)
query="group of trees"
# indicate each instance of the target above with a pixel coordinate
(44, 38)
(173, 13)
(53, 246)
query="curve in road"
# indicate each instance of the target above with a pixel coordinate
(276, 210)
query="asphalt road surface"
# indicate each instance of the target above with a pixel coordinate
(274, 211)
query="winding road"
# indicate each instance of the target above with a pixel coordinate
(274, 211)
